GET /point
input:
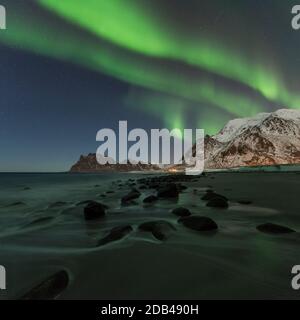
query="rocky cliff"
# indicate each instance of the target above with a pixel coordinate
(89, 164)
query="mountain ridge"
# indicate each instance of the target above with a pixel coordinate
(89, 164)
(265, 139)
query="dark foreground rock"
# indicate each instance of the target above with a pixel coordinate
(168, 191)
(199, 223)
(160, 229)
(115, 234)
(274, 228)
(132, 195)
(50, 288)
(217, 202)
(94, 210)
(150, 199)
(181, 212)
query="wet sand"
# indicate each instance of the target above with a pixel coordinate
(43, 231)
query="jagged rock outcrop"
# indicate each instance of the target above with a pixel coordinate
(89, 163)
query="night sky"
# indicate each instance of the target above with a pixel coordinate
(71, 67)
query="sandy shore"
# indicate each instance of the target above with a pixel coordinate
(43, 231)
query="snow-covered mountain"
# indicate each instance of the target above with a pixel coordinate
(266, 139)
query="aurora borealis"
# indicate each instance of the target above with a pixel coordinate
(139, 31)
(185, 64)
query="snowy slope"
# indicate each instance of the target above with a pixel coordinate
(266, 139)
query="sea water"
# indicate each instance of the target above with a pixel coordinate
(42, 231)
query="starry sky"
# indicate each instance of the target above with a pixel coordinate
(69, 68)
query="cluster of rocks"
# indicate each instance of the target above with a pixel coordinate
(167, 187)
(164, 187)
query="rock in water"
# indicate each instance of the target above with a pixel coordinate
(211, 194)
(94, 210)
(217, 202)
(274, 228)
(199, 223)
(245, 202)
(181, 212)
(50, 288)
(168, 191)
(161, 230)
(132, 195)
(181, 187)
(115, 234)
(150, 199)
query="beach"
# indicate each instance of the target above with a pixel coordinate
(43, 231)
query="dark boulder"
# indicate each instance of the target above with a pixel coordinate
(181, 212)
(199, 223)
(168, 191)
(211, 194)
(153, 185)
(50, 288)
(94, 210)
(132, 195)
(217, 202)
(181, 187)
(160, 229)
(274, 228)
(246, 202)
(115, 234)
(150, 199)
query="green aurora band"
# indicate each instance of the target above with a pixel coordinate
(120, 50)
(127, 24)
